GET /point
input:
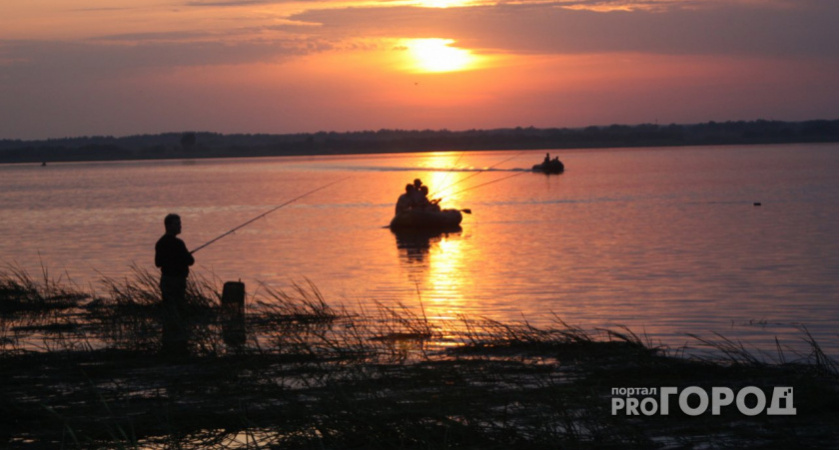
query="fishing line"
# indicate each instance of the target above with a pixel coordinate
(451, 169)
(474, 174)
(489, 182)
(232, 230)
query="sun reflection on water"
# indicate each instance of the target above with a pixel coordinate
(444, 175)
(433, 263)
(446, 290)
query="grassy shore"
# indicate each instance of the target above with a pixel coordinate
(83, 370)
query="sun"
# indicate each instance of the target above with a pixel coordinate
(437, 55)
(444, 3)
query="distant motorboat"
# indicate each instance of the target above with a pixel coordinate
(554, 166)
(423, 219)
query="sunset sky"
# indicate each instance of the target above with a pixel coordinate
(124, 67)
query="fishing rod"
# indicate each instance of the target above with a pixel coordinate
(468, 210)
(233, 230)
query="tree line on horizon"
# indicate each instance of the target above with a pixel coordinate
(193, 144)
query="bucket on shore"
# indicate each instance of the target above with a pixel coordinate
(233, 313)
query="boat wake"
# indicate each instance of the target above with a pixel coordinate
(428, 169)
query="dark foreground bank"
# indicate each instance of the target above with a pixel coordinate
(85, 371)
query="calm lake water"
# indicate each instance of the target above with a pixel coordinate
(666, 241)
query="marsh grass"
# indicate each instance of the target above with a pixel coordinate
(307, 375)
(20, 292)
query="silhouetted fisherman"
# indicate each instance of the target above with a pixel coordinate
(174, 260)
(417, 197)
(425, 203)
(404, 201)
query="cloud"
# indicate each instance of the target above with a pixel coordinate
(30, 60)
(172, 69)
(810, 29)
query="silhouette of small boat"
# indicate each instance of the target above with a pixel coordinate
(420, 219)
(554, 166)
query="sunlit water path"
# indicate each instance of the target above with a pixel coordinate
(665, 241)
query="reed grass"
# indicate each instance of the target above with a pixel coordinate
(20, 292)
(308, 375)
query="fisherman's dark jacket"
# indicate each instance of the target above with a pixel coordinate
(172, 256)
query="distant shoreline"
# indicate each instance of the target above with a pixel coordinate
(215, 145)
